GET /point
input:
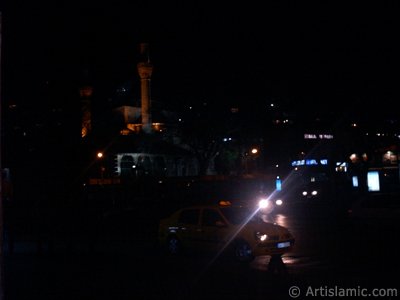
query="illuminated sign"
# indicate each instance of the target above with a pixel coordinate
(309, 162)
(354, 180)
(278, 184)
(373, 181)
(311, 136)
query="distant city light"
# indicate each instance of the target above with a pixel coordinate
(341, 167)
(254, 151)
(390, 157)
(298, 162)
(308, 136)
(99, 154)
(373, 181)
(353, 157)
(278, 184)
(309, 162)
(311, 136)
(325, 136)
(355, 181)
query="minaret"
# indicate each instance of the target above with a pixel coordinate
(145, 69)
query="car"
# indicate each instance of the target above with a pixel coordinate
(223, 228)
(273, 203)
(312, 193)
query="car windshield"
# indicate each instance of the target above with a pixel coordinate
(239, 215)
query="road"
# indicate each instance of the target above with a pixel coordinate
(125, 262)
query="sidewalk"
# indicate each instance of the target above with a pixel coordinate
(70, 271)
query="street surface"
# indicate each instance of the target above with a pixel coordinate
(124, 261)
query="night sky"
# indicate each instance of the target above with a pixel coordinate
(307, 55)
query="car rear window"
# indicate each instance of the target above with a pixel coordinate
(211, 217)
(238, 215)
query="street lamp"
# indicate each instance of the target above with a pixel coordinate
(100, 156)
(254, 151)
(249, 159)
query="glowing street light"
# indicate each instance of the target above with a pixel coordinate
(102, 169)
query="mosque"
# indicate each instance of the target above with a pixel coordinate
(147, 142)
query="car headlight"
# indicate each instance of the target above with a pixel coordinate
(263, 203)
(304, 193)
(314, 193)
(279, 202)
(261, 236)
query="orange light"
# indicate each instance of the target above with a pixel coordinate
(224, 203)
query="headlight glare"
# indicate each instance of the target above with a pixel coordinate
(263, 203)
(261, 236)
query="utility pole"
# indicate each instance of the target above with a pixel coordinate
(1, 187)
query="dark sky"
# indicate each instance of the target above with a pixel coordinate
(306, 54)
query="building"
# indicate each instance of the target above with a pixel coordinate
(138, 140)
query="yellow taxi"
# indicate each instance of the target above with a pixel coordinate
(240, 230)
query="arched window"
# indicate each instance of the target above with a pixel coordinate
(127, 166)
(144, 165)
(160, 167)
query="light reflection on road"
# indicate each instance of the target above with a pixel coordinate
(310, 241)
(281, 219)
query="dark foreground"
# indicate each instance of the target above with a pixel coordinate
(124, 261)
